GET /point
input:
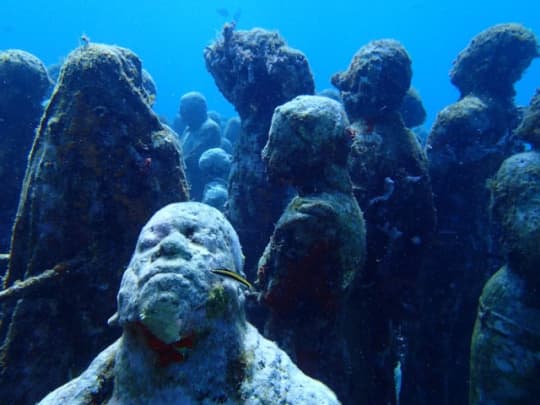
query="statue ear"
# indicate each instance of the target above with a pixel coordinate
(113, 320)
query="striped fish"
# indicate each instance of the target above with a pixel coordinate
(233, 275)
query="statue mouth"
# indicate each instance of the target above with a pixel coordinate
(160, 270)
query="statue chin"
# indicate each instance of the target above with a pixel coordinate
(161, 310)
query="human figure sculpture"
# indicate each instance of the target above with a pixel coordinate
(100, 165)
(256, 71)
(505, 360)
(201, 133)
(467, 144)
(318, 244)
(391, 182)
(24, 84)
(185, 339)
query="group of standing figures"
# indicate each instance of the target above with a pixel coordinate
(368, 247)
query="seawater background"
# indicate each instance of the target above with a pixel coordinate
(170, 35)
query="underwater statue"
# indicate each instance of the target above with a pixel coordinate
(24, 83)
(256, 71)
(468, 142)
(215, 165)
(318, 246)
(101, 164)
(391, 183)
(232, 130)
(201, 133)
(185, 338)
(470, 138)
(505, 356)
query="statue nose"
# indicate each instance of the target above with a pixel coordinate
(174, 245)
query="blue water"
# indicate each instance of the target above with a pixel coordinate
(170, 36)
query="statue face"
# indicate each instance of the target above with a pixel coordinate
(169, 285)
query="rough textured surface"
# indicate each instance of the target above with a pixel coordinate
(376, 80)
(318, 245)
(101, 164)
(24, 83)
(194, 143)
(494, 60)
(468, 142)
(215, 163)
(149, 86)
(185, 336)
(215, 166)
(215, 194)
(504, 351)
(391, 183)
(193, 109)
(515, 204)
(468, 138)
(308, 144)
(505, 356)
(256, 71)
(200, 134)
(529, 129)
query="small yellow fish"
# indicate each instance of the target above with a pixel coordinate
(233, 275)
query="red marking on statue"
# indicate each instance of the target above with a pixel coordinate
(167, 353)
(187, 341)
(305, 291)
(310, 279)
(146, 165)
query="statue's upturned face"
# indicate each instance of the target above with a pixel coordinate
(169, 285)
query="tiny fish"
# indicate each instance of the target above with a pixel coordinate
(233, 275)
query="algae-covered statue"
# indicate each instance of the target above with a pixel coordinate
(100, 165)
(318, 245)
(201, 134)
(185, 338)
(24, 83)
(505, 357)
(391, 182)
(256, 71)
(467, 144)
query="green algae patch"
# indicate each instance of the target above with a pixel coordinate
(217, 303)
